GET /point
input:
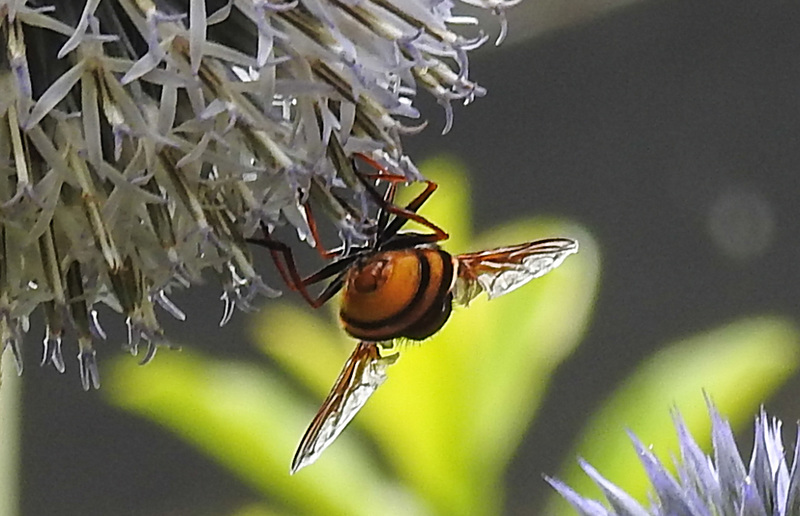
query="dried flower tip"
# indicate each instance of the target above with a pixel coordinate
(87, 361)
(51, 346)
(51, 352)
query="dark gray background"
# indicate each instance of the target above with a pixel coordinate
(637, 125)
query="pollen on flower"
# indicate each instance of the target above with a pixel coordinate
(142, 142)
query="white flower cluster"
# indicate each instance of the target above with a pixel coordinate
(142, 142)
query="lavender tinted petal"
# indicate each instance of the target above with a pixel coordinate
(730, 467)
(582, 505)
(752, 504)
(87, 361)
(670, 495)
(760, 467)
(716, 485)
(696, 469)
(793, 490)
(621, 502)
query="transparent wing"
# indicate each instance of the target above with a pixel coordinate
(499, 271)
(361, 376)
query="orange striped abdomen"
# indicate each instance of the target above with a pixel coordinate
(404, 293)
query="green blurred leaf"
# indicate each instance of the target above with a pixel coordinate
(739, 366)
(247, 419)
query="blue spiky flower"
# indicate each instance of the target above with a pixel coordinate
(717, 485)
(142, 142)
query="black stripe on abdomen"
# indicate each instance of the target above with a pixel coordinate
(439, 311)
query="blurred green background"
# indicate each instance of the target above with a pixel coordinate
(663, 135)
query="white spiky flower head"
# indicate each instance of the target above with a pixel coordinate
(142, 141)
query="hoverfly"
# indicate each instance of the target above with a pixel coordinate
(400, 286)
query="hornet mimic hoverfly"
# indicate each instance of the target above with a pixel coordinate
(401, 285)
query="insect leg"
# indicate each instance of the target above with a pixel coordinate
(284, 261)
(387, 205)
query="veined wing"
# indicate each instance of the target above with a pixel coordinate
(499, 271)
(361, 376)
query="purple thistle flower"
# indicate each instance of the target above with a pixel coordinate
(718, 485)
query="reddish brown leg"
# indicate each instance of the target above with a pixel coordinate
(409, 213)
(284, 262)
(387, 202)
(312, 224)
